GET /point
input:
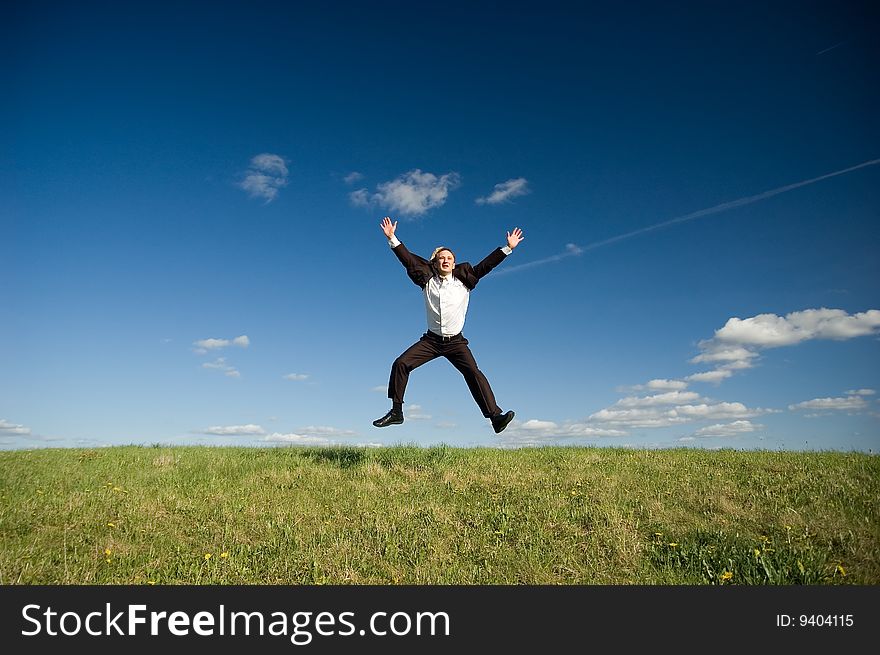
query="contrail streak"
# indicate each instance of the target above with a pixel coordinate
(573, 250)
(836, 45)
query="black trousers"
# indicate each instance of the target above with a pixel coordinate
(456, 350)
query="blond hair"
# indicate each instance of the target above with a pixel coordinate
(438, 249)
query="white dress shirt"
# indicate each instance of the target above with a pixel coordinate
(446, 303)
(446, 300)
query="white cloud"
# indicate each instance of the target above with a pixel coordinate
(225, 430)
(728, 429)
(844, 403)
(7, 428)
(326, 430)
(710, 376)
(312, 435)
(360, 198)
(266, 175)
(416, 413)
(535, 431)
(770, 330)
(668, 398)
(204, 345)
(657, 385)
(220, 364)
(504, 191)
(535, 424)
(293, 438)
(860, 392)
(716, 352)
(736, 345)
(353, 177)
(660, 416)
(663, 385)
(296, 376)
(410, 194)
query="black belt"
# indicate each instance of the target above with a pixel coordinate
(437, 337)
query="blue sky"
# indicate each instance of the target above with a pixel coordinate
(190, 199)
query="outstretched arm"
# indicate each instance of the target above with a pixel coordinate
(417, 268)
(497, 256)
(513, 238)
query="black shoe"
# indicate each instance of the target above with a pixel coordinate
(500, 422)
(393, 417)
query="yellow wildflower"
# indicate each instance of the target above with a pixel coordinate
(224, 555)
(727, 575)
(840, 569)
(208, 556)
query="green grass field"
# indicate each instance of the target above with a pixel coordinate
(410, 515)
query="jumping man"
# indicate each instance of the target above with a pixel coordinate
(446, 287)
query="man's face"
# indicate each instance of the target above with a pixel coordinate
(445, 261)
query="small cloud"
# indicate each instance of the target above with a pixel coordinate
(326, 431)
(667, 398)
(410, 194)
(715, 377)
(9, 429)
(226, 430)
(360, 198)
(658, 384)
(538, 425)
(416, 413)
(860, 392)
(505, 191)
(296, 376)
(220, 364)
(299, 439)
(852, 402)
(353, 177)
(728, 429)
(670, 409)
(730, 355)
(537, 431)
(266, 175)
(204, 345)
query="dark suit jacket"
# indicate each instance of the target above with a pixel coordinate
(420, 270)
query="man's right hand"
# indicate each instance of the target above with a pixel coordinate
(388, 227)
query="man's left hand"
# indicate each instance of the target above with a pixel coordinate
(513, 238)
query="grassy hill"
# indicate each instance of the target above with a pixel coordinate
(410, 515)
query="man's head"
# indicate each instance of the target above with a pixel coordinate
(444, 259)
